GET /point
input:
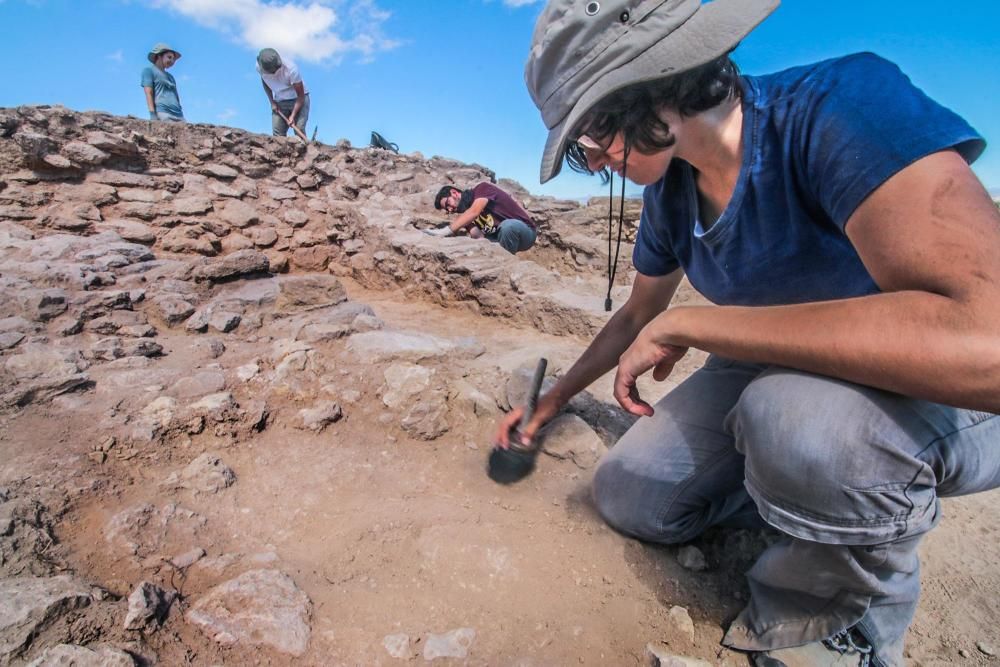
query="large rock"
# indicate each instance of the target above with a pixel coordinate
(130, 230)
(84, 154)
(375, 346)
(41, 373)
(30, 604)
(143, 530)
(147, 605)
(319, 416)
(122, 178)
(239, 214)
(312, 258)
(281, 193)
(260, 607)
(189, 240)
(299, 293)
(192, 205)
(112, 143)
(220, 171)
(205, 474)
(570, 437)
(241, 262)
(173, 309)
(71, 655)
(427, 417)
(403, 382)
(195, 385)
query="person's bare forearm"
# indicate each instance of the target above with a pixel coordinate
(150, 103)
(468, 217)
(267, 92)
(599, 358)
(458, 224)
(294, 116)
(911, 342)
(603, 352)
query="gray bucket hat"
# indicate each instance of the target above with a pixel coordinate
(583, 51)
(161, 48)
(269, 60)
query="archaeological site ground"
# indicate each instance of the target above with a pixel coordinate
(246, 406)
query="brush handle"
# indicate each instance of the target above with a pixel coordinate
(536, 388)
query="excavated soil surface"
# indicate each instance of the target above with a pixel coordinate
(280, 414)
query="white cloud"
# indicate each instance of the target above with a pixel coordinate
(519, 3)
(227, 114)
(314, 31)
(118, 56)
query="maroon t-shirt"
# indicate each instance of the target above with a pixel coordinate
(501, 207)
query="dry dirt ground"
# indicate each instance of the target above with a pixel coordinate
(389, 536)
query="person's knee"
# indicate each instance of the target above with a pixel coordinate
(822, 450)
(515, 236)
(623, 499)
(778, 427)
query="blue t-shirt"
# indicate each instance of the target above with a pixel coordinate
(817, 140)
(164, 90)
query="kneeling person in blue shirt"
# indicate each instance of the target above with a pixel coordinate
(853, 259)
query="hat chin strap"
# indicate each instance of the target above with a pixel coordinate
(613, 266)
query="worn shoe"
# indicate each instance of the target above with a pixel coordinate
(847, 648)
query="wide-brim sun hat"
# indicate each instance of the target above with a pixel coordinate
(161, 48)
(583, 51)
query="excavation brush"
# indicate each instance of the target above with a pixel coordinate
(516, 462)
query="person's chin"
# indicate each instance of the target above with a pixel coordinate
(642, 179)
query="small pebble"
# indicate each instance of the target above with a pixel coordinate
(691, 558)
(986, 649)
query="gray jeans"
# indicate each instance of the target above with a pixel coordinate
(851, 474)
(514, 235)
(279, 127)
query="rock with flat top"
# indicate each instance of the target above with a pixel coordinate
(239, 263)
(28, 605)
(257, 608)
(71, 655)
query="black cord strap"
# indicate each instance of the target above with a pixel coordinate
(613, 266)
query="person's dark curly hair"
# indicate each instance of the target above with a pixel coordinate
(444, 192)
(634, 110)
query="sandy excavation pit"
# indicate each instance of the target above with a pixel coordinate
(245, 409)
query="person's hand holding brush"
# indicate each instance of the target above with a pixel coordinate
(548, 407)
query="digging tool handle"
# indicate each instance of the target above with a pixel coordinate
(298, 132)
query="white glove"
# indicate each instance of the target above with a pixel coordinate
(441, 231)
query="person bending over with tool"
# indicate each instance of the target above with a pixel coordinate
(486, 211)
(853, 259)
(285, 91)
(159, 85)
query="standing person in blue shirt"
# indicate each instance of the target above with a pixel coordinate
(162, 99)
(853, 259)
(285, 90)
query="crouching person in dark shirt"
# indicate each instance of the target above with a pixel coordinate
(486, 211)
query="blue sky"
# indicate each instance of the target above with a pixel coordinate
(444, 77)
